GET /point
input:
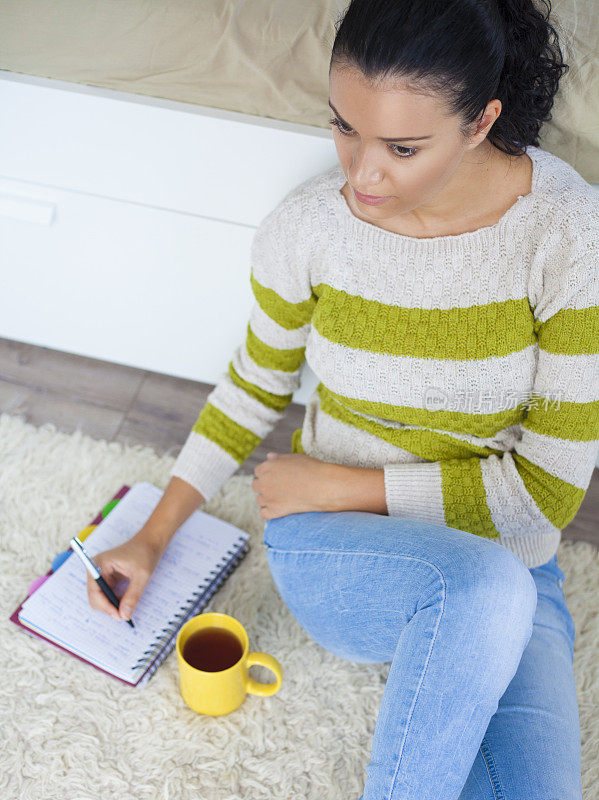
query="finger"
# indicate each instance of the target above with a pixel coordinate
(98, 600)
(131, 597)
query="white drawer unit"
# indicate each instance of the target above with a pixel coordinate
(118, 281)
(205, 161)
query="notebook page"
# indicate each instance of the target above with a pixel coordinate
(60, 608)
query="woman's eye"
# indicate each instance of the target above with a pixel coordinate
(340, 125)
(396, 149)
(404, 152)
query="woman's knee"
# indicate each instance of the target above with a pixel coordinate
(501, 594)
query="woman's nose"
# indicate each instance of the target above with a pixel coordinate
(365, 174)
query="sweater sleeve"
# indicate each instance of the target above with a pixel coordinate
(539, 485)
(251, 397)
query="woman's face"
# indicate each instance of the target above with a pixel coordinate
(425, 162)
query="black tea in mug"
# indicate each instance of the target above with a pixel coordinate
(212, 649)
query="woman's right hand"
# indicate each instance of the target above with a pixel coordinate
(135, 560)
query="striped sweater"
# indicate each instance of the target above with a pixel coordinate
(465, 366)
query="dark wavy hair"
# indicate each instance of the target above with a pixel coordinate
(468, 52)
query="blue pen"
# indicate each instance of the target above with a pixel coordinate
(96, 573)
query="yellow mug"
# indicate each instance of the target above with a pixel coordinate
(221, 692)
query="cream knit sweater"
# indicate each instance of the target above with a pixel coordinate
(465, 366)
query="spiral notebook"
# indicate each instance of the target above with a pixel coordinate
(199, 557)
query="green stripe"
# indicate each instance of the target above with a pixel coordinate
(481, 425)
(430, 445)
(296, 441)
(236, 440)
(278, 402)
(464, 497)
(578, 422)
(474, 332)
(558, 500)
(570, 332)
(287, 315)
(286, 360)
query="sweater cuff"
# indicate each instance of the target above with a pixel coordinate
(415, 491)
(204, 465)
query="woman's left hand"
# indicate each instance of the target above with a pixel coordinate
(294, 482)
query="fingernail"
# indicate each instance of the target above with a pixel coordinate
(126, 612)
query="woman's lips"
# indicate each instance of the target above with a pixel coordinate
(369, 199)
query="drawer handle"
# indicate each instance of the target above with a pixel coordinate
(26, 209)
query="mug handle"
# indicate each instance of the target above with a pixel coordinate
(264, 660)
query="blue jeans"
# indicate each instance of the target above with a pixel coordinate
(480, 700)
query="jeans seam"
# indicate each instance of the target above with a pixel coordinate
(428, 658)
(491, 770)
(358, 553)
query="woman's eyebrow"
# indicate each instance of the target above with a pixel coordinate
(383, 138)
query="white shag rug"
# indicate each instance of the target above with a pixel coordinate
(71, 733)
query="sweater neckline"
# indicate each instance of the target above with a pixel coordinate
(478, 235)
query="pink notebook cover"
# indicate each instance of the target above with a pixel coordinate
(14, 617)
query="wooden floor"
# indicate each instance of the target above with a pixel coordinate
(133, 406)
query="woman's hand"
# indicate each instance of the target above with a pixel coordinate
(135, 560)
(294, 482)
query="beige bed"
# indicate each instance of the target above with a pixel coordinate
(263, 57)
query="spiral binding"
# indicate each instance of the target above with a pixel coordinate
(164, 643)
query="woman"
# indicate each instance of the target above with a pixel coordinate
(409, 525)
